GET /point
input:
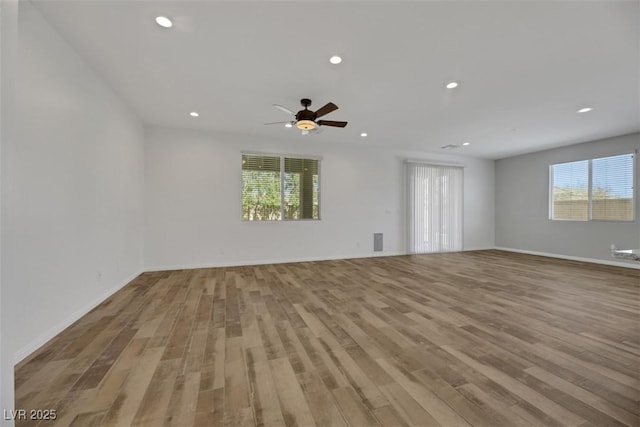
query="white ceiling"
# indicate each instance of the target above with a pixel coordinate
(524, 68)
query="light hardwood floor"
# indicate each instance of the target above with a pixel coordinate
(483, 338)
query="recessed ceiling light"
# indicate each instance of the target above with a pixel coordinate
(194, 114)
(452, 85)
(584, 110)
(288, 125)
(466, 143)
(363, 134)
(335, 59)
(164, 22)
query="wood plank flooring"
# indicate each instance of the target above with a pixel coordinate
(484, 338)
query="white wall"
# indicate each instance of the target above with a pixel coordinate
(72, 190)
(522, 205)
(193, 205)
(8, 46)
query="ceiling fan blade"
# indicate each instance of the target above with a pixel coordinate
(285, 109)
(331, 123)
(278, 123)
(326, 109)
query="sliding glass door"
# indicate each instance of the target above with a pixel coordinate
(434, 195)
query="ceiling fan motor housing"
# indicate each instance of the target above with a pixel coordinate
(305, 115)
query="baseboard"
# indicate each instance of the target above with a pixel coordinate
(267, 261)
(573, 258)
(483, 248)
(41, 340)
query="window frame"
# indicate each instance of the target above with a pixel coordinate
(282, 172)
(634, 180)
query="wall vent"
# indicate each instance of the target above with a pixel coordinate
(377, 242)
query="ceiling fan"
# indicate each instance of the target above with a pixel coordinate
(306, 120)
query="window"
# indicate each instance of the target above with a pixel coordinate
(598, 189)
(278, 187)
(435, 208)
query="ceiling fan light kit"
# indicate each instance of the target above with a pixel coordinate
(305, 124)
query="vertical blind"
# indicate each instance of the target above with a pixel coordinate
(595, 189)
(435, 208)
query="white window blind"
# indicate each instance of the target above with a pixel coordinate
(612, 188)
(595, 189)
(435, 208)
(261, 189)
(278, 187)
(301, 188)
(571, 191)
